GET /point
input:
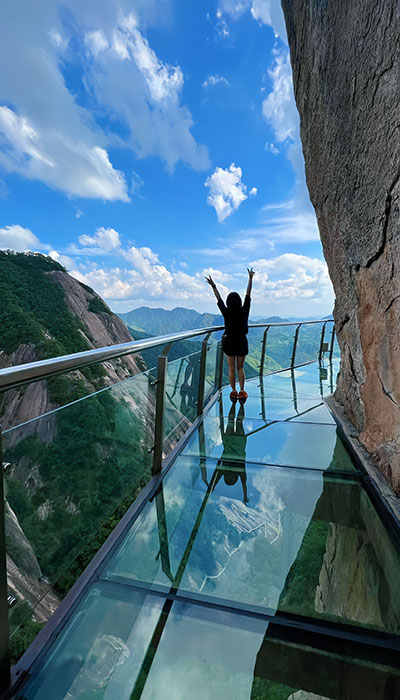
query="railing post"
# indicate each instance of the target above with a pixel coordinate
(295, 339)
(263, 349)
(4, 633)
(321, 345)
(202, 375)
(217, 359)
(159, 417)
(332, 343)
(220, 365)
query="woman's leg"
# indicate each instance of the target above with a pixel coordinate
(231, 368)
(240, 370)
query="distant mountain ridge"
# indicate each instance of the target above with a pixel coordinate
(159, 321)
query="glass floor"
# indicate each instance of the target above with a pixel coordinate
(261, 532)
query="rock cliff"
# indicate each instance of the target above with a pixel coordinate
(94, 325)
(346, 73)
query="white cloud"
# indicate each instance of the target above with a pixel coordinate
(72, 166)
(96, 42)
(279, 107)
(293, 277)
(253, 192)
(272, 148)
(227, 191)
(270, 12)
(67, 262)
(20, 239)
(288, 284)
(214, 80)
(105, 238)
(47, 133)
(143, 92)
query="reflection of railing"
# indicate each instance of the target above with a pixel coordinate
(171, 405)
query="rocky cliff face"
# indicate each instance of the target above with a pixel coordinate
(346, 72)
(98, 327)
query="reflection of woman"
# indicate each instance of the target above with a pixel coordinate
(232, 464)
(235, 345)
(189, 387)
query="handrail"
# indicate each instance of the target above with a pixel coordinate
(11, 377)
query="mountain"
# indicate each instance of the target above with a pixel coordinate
(45, 313)
(162, 321)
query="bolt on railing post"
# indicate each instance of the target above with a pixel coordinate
(159, 417)
(321, 345)
(296, 337)
(332, 343)
(202, 375)
(4, 633)
(263, 350)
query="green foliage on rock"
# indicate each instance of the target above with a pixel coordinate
(33, 307)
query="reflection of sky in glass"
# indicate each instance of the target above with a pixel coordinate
(286, 443)
(230, 534)
(202, 659)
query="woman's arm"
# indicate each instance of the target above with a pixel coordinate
(213, 286)
(249, 285)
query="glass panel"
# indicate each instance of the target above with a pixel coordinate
(307, 543)
(211, 368)
(100, 652)
(181, 394)
(187, 652)
(308, 343)
(70, 476)
(279, 348)
(320, 414)
(277, 408)
(236, 437)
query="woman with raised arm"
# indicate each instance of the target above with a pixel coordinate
(234, 341)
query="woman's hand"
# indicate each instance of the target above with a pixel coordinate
(210, 281)
(251, 272)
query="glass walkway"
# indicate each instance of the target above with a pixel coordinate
(259, 569)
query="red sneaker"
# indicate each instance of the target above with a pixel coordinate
(242, 395)
(233, 395)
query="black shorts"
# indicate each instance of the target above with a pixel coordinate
(234, 347)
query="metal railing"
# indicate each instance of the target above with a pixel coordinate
(13, 377)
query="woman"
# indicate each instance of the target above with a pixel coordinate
(234, 341)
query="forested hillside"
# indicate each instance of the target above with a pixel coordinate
(67, 472)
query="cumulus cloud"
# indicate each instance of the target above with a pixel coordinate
(214, 80)
(143, 92)
(20, 239)
(268, 12)
(75, 167)
(293, 277)
(105, 238)
(49, 132)
(286, 284)
(227, 191)
(279, 107)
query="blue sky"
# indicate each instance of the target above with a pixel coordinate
(146, 143)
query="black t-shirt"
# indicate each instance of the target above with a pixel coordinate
(236, 321)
